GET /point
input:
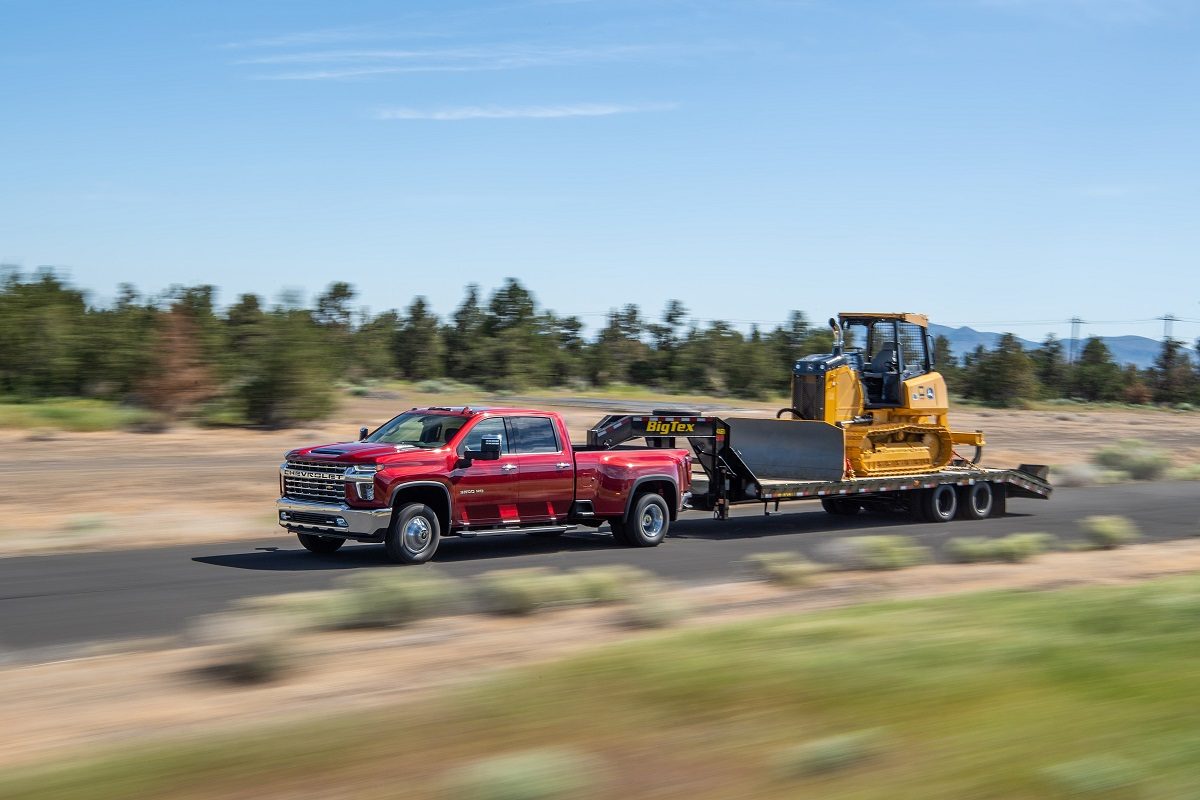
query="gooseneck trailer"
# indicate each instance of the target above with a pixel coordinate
(749, 460)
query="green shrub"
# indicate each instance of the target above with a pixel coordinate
(545, 774)
(1095, 776)
(1013, 548)
(609, 584)
(1188, 473)
(524, 591)
(652, 609)
(1134, 456)
(783, 569)
(246, 648)
(1108, 532)
(830, 754)
(315, 610)
(385, 598)
(72, 414)
(82, 523)
(880, 552)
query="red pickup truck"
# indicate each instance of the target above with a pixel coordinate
(434, 472)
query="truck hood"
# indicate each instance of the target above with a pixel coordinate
(355, 452)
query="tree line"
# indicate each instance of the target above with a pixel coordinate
(180, 354)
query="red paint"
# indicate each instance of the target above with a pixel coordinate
(536, 488)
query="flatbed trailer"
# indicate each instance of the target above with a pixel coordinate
(747, 460)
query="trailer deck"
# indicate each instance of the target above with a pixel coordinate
(747, 460)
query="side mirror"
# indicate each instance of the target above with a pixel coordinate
(362, 434)
(489, 450)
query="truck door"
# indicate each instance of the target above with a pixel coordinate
(485, 492)
(547, 474)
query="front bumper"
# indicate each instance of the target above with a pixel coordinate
(332, 519)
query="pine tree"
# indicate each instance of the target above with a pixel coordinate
(1172, 378)
(418, 343)
(1096, 376)
(1006, 374)
(1051, 367)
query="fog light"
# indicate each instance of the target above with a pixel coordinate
(284, 515)
(366, 491)
(341, 521)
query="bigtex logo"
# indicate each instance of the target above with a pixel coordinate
(658, 426)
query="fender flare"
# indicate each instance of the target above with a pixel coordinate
(633, 492)
(411, 484)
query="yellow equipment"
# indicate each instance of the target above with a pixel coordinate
(879, 387)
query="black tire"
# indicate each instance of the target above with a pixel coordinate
(975, 502)
(647, 522)
(841, 506)
(939, 504)
(619, 530)
(414, 534)
(322, 545)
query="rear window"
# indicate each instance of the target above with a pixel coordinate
(533, 435)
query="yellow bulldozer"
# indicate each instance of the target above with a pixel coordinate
(880, 389)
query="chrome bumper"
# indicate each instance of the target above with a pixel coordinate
(335, 519)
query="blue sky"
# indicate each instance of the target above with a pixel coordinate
(989, 162)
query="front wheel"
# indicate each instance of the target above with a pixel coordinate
(647, 523)
(414, 534)
(323, 545)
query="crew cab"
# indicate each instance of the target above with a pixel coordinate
(434, 472)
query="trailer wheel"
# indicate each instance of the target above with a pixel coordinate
(414, 534)
(841, 506)
(939, 504)
(323, 545)
(975, 502)
(647, 522)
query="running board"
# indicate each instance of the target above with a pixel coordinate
(517, 529)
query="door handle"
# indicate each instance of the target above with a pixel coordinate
(562, 465)
(508, 467)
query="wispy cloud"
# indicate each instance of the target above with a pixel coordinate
(518, 112)
(308, 38)
(1105, 11)
(335, 64)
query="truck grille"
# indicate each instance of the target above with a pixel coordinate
(324, 485)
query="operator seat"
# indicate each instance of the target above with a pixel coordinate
(881, 379)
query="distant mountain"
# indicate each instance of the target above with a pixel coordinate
(1125, 349)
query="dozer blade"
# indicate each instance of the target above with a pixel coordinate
(801, 450)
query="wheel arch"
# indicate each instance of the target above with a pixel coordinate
(431, 493)
(659, 484)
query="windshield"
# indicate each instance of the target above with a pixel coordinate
(419, 428)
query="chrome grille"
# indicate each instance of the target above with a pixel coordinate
(329, 487)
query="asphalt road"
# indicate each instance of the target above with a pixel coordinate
(67, 600)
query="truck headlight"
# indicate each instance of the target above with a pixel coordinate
(365, 491)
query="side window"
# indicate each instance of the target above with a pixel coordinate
(487, 427)
(912, 348)
(534, 435)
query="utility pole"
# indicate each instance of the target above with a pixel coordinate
(1167, 320)
(1075, 323)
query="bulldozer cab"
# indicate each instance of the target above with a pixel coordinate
(893, 348)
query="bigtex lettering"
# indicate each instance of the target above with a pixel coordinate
(658, 426)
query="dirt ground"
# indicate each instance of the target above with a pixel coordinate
(72, 491)
(125, 698)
